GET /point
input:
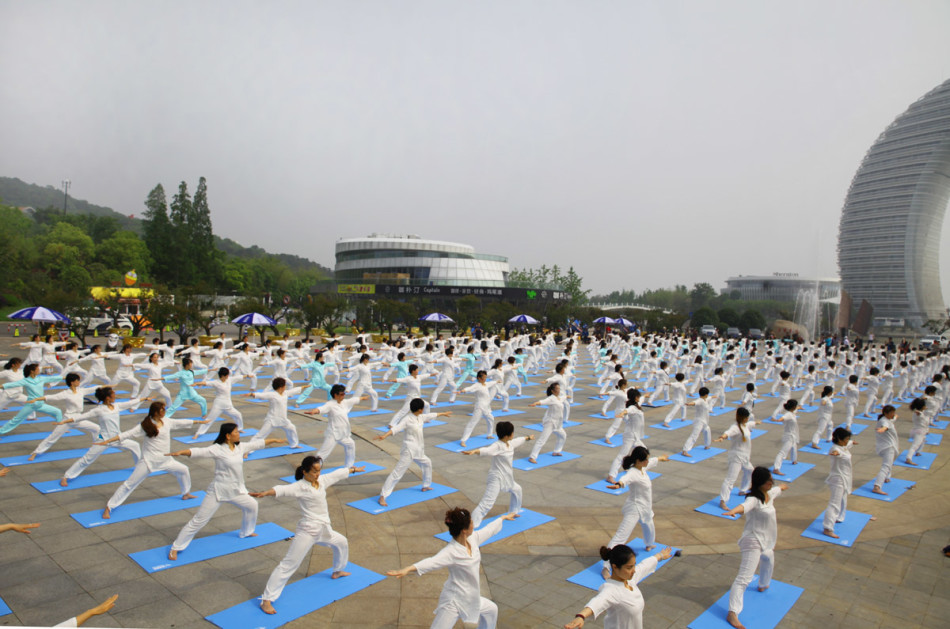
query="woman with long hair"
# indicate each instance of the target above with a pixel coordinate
(740, 455)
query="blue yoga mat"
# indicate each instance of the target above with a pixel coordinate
(402, 498)
(761, 610)
(807, 408)
(847, 531)
(39, 420)
(592, 578)
(308, 406)
(470, 444)
(211, 436)
(757, 432)
(932, 439)
(527, 520)
(35, 436)
(597, 397)
(895, 489)
(507, 413)
(792, 472)
(939, 424)
(657, 404)
(716, 412)
(54, 455)
(446, 404)
(924, 461)
(769, 420)
(370, 468)
(616, 443)
(271, 452)
(298, 599)
(698, 455)
(857, 429)
(539, 426)
(203, 548)
(601, 485)
(544, 460)
(4, 608)
(712, 507)
(824, 447)
(675, 424)
(135, 510)
(88, 480)
(602, 416)
(379, 411)
(429, 424)
(519, 397)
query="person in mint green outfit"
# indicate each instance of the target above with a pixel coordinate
(186, 387)
(317, 368)
(32, 384)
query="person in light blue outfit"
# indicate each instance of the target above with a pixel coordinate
(519, 359)
(402, 370)
(32, 385)
(317, 368)
(186, 387)
(469, 369)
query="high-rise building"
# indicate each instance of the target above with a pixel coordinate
(889, 236)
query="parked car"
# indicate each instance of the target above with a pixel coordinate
(932, 341)
(733, 333)
(755, 333)
(102, 324)
(708, 330)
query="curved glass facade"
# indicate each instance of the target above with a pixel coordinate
(889, 236)
(411, 260)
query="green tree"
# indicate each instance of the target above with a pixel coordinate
(158, 234)
(728, 316)
(201, 237)
(160, 312)
(124, 251)
(704, 316)
(751, 319)
(701, 295)
(180, 211)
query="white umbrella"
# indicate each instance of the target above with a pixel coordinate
(253, 318)
(627, 323)
(437, 317)
(523, 318)
(39, 313)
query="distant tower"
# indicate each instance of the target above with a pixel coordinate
(889, 237)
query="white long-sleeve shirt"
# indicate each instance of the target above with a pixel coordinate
(623, 607)
(740, 449)
(72, 402)
(312, 500)
(413, 441)
(155, 448)
(277, 409)
(228, 481)
(338, 416)
(502, 455)
(640, 497)
(108, 418)
(760, 522)
(840, 473)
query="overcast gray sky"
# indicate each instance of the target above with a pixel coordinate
(645, 143)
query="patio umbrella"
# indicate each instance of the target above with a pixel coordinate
(437, 318)
(253, 318)
(627, 323)
(39, 313)
(606, 321)
(523, 318)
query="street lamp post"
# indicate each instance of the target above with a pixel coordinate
(66, 184)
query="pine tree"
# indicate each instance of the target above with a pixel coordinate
(202, 238)
(158, 234)
(184, 265)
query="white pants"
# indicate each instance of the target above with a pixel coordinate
(612, 401)
(887, 462)
(402, 412)
(208, 508)
(625, 531)
(849, 413)
(780, 409)
(141, 472)
(678, 408)
(837, 506)
(625, 449)
(480, 413)
(732, 472)
(789, 449)
(136, 385)
(546, 430)
(917, 435)
(95, 374)
(93, 453)
(807, 396)
(153, 387)
(284, 424)
(405, 458)
(88, 427)
(752, 556)
(699, 428)
(488, 500)
(825, 427)
(872, 398)
(299, 549)
(717, 395)
(225, 408)
(368, 390)
(447, 615)
(444, 381)
(505, 399)
(349, 449)
(614, 426)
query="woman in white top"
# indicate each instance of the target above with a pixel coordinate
(364, 380)
(106, 414)
(553, 421)
(758, 539)
(276, 416)
(155, 383)
(740, 455)
(826, 407)
(484, 391)
(619, 597)
(789, 445)
(887, 446)
(413, 447)
(461, 595)
(638, 506)
(12, 372)
(337, 431)
(632, 421)
(839, 479)
(125, 373)
(73, 403)
(413, 384)
(920, 427)
(243, 364)
(310, 490)
(97, 367)
(501, 475)
(447, 369)
(156, 444)
(227, 485)
(222, 404)
(71, 357)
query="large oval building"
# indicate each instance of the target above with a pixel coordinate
(889, 237)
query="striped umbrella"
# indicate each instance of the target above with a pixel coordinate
(253, 318)
(39, 313)
(523, 318)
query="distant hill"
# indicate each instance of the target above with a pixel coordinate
(18, 193)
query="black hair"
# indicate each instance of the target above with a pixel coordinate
(790, 405)
(457, 519)
(481, 373)
(278, 383)
(840, 434)
(30, 369)
(918, 404)
(224, 371)
(742, 413)
(550, 389)
(760, 476)
(618, 556)
(223, 432)
(416, 404)
(13, 362)
(337, 389)
(306, 465)
(639, 453)
(703, 391)
(71, 378)
(504, 429)
(750, 387)
(148, 424)
(827, 391)
(103, 393)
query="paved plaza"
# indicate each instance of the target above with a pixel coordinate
(894, 575)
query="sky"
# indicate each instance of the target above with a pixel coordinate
(644, 143)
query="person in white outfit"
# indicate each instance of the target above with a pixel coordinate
(156, 430)
(839, 480)
(447, 370)
(228, 454)
(740, 455)
(364, 380)
(632, 418)
(155, 383)
(125, 373)
(310, 490)
(700, 422)
(826, 405)
(413, 447)
(678, 391)
(552, 422)
(222, 404)
(758, 539)
(501, 473)
(276, 416)
(638, 506)
(920, 427)
(887, 446)
(484, 391)
(790, 438)
(619, 598)
(461, 597)
(337, 431)
(73, 401)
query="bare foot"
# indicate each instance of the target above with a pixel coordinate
(338, 574)
(909, 462)
(607, 441)
(31, 457)
(733, 619)
(762, 589)
(426, 489)
(173, 554)
(705, 447)
(295, 447)
(106, 513)
(830, 533)
(878, 490)
(517, 515)
(532, 460)
(685, 453)
(382, 502)
(462, 443)
(722, 505)
(267, 607)
(557, 454)
(63, 482)
(650, 547)
(188, 497)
